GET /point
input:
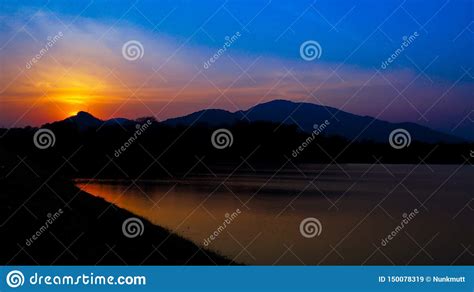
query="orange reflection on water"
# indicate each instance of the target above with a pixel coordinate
(267, 231)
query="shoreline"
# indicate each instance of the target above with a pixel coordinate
(88, 231)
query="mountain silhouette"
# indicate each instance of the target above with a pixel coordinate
(269, 132)
(307, 116)
(84, 121)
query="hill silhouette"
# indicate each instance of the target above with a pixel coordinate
(114, 149)
(84, 120)
(306, 115)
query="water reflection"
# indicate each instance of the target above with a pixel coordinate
(357, 207)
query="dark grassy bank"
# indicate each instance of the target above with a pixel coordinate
(88, 232)
(166, 151)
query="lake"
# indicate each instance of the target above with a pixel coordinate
(356, 214)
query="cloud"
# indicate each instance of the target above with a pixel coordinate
(85, 69)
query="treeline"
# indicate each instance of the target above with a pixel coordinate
(117, 151)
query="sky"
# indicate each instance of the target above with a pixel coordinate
(360, 66)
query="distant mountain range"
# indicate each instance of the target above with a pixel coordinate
(304, 115)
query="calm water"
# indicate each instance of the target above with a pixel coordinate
(358, 206)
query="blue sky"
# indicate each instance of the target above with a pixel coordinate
(281, 26)
(433, 74)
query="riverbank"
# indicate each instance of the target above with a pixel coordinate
(51, 222)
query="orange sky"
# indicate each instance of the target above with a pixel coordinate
(85, 70)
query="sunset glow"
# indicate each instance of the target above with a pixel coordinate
(84, 68)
